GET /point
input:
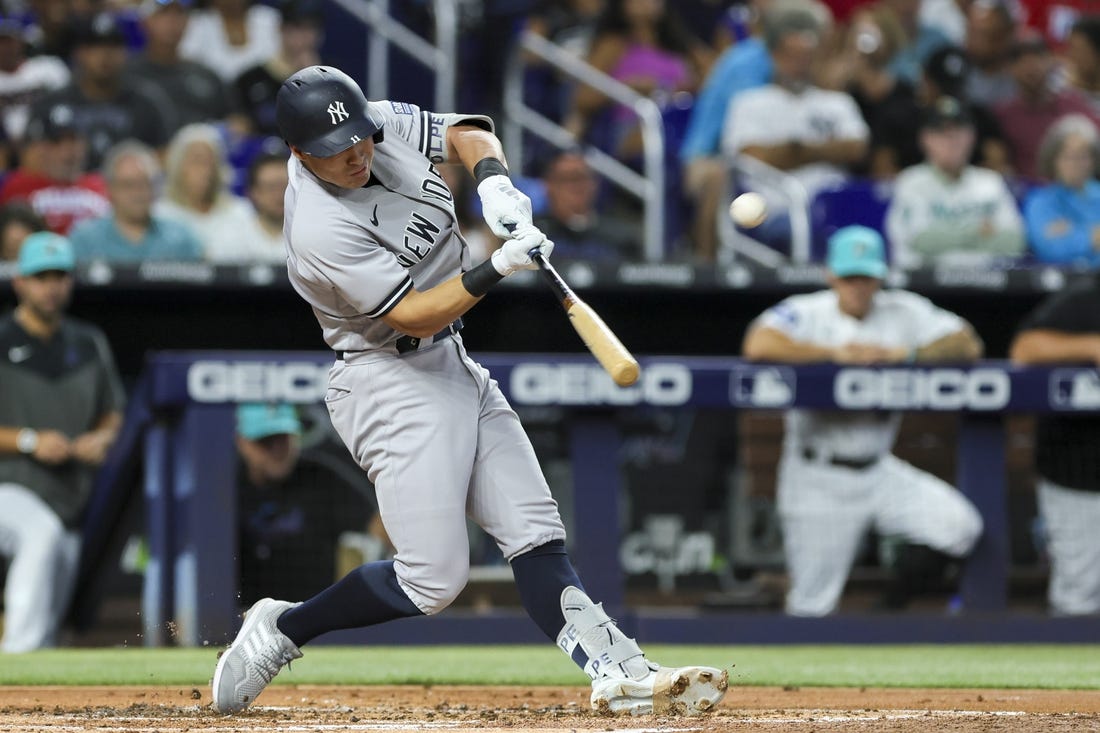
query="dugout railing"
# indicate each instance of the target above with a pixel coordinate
(182, 424)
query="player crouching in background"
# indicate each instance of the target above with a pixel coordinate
(837, 477)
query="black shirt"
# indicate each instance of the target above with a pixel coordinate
(289, 531)
(603, 238)
(196, 93)
(1067, 447)
(67, 384)
(897, 124)
(138, 111)
(256, 90)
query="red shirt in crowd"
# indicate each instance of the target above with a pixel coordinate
(1054, 18)
(1024, 124)
(61, 203)
(843, 9)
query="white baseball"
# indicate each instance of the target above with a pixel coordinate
(749, 210)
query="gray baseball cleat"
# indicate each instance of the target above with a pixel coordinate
(254, 658)
(624, 682)
(664, 691)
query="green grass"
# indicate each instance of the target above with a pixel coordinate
(1039, 666)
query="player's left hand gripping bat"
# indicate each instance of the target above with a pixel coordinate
(600, 340)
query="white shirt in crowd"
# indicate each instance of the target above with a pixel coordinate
(262, 245)
(897, 318)
(205, 42)
(968, 221)
(32, 79)
(771, 115)
(220, 230)
(946, 17)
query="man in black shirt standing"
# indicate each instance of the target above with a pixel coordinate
(1066, 329)
(60, 410)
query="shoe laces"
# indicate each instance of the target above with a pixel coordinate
(270, 661)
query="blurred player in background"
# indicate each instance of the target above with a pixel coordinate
(1065, 329)
(60, 410)
(293, 504)
(837, 477)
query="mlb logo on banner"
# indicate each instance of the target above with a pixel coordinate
(764, 386)
(1075, 389)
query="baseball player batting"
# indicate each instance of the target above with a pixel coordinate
(374, 248)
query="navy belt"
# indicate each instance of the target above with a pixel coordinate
(405, 344)
(856, 464)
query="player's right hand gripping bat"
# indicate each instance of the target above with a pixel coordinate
(600, 340)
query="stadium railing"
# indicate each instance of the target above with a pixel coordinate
(520, 118)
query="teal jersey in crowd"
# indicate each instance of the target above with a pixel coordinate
(100, 239)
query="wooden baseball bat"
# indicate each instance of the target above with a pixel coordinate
(600, 340)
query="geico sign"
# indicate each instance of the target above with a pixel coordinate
(939, 389)
(249, 381)
(586, 384)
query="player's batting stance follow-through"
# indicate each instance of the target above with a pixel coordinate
(373, 247)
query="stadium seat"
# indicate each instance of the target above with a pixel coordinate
(129, 20)
(241, 151)
(855, 202)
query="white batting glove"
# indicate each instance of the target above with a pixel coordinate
(515, 253)
(504, 206)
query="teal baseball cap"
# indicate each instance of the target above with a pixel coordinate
(44, 251)
(258, 420)
(857, 250)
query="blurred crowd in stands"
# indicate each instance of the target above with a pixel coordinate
(963, 130)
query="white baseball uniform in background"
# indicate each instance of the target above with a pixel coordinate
(936, 220)
(826, 509)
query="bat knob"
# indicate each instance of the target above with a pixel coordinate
(626, 373)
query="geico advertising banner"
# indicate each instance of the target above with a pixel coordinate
(576, 381)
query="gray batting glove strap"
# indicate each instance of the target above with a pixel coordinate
(515, 253)
(504, 206)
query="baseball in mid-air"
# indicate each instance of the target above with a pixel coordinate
(749, 210)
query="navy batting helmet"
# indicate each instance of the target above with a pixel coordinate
(322, 111)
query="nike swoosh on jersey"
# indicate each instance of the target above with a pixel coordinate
(19, 354)
(374, 216)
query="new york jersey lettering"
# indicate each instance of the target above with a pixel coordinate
(434, 187)
(418, 228)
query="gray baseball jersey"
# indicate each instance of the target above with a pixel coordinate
(354, 253)
(430, 427)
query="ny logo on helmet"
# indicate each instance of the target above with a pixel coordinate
(337, 113)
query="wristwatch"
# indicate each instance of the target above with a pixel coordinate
(27, 440)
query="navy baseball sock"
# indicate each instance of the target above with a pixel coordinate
(541, 575)
(366, 596)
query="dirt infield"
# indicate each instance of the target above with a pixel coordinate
(543, 709)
